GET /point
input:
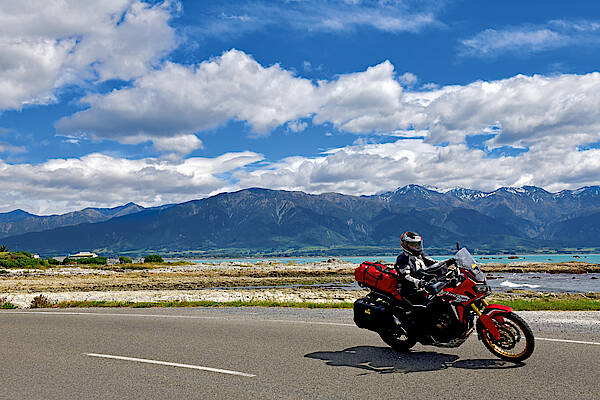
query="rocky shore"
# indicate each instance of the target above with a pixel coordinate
(220, 282)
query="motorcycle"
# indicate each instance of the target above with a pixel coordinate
(445, 314)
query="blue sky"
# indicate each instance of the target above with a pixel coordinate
(166, 101)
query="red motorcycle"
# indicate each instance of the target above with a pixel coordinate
(445, 314)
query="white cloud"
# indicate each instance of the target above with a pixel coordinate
(371, 168)
(8, 148)
(493, 41)
(45, 44)
(319, 16)
(532, 38)
(183, 144)
(296, 126)
(61, 185)
(181, 100)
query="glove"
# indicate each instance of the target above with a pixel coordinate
(430, 288)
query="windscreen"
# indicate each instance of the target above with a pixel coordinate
(464, 259)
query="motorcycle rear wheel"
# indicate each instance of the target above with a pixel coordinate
(516, 341)
(397, 339)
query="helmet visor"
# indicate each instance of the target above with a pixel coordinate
(414, 244)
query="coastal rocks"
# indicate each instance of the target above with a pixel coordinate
(283, 295)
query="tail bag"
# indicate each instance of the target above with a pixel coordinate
(378, 277)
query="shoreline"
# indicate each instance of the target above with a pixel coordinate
(264, 282)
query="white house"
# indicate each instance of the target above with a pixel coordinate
(83, 254)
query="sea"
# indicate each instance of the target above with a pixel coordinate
(483, 259)
(499, 281)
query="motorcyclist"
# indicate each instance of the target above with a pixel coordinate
(411, 263)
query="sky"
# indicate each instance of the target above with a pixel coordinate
(157, 102)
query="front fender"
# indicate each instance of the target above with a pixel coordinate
(491, 312)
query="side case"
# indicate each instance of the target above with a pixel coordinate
(371, 314)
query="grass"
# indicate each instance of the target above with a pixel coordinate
(519, 304)
(553, 304)
(201, 303)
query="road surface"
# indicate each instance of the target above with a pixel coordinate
(263, 353)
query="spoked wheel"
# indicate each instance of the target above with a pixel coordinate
(516, 341)
(397, 339)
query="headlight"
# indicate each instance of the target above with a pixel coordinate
(481, 288)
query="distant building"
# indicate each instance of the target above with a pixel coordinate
(36, 256)
(83, 254)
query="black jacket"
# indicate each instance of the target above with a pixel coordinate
(409, 267)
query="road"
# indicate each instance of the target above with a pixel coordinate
(257, 353)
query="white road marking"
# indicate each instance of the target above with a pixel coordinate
(171, 364)
(239, 319)
(567, 341)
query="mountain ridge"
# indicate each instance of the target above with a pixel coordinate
(507, 219)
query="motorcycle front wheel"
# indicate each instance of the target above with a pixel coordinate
(516, 341)
(397, 339)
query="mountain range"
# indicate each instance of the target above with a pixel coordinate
(290, 222)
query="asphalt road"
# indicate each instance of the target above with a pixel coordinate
(275, 354)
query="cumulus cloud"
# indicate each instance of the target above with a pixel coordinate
(372, 168)
(45, 44)
(177, 101)
(532, 38)
(61, 185)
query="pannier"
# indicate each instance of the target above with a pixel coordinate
(371, 313)
(378, 277)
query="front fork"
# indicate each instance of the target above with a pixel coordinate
(485, 319)
(478, 311)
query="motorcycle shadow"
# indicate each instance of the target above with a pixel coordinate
(384, 360)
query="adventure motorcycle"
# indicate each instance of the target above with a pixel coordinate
(445, 314)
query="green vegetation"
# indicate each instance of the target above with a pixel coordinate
(3, 248)
(41, 301)
(575, 304)
(52, 261)
(549, 304)
(125, 260)
(6, 305)
(20, 259)
(203, 303)
(85, 261)
(153, 258)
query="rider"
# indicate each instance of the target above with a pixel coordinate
(412, 261)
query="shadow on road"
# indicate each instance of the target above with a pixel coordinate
(384, 360)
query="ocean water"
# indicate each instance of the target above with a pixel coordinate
(499, 282)
(484, 259)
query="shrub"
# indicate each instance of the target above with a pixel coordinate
(153, 258)
(52, 261)
(6, 305)
(40, 301)
(92, 260)
(125, 260)
(20, 259)
(85, 261)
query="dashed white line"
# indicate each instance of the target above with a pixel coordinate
(170, 364)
